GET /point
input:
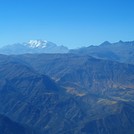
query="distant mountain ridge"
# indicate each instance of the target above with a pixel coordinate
(33, 46)
(120, 51)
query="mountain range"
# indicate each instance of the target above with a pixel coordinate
(67, 93)
(120, 51)
(84, 91)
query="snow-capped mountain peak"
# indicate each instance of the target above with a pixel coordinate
(37, 43)
(33, 46)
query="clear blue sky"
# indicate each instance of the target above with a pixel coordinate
(72, 23)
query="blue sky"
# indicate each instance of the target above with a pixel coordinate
(72, 23)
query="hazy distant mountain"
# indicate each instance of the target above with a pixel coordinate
(82, 95)
(119, 51)
(33, 46)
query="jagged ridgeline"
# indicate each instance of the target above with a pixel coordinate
(120, 51)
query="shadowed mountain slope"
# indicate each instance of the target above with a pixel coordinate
(8, 126)
(83, 72)
(67, 93)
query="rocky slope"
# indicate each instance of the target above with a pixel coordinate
(83, 72)
(67, 93)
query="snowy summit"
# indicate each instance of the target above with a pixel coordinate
(37, 43)
(33, 46)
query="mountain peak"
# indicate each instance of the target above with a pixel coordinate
(105, 43)
(37, 43)
(34, 46)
